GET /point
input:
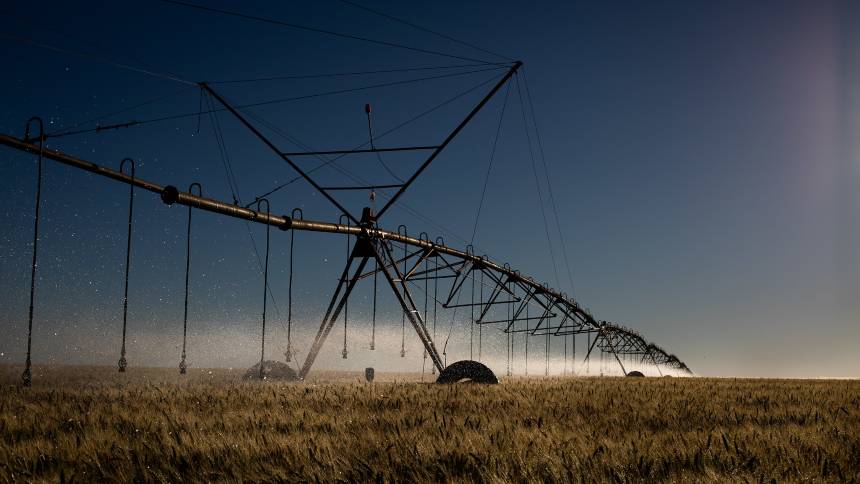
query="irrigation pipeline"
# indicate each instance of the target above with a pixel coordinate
(613, 335)
(283, 222)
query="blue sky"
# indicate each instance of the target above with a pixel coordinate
(703, 158)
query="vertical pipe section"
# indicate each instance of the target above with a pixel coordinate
(183, 366)
(265, 287)
(373, 317)
(481, 326)
(123, 363)
(403, 314)
(297, 214)
(344, 353)
(27, 376)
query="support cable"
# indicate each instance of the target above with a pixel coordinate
(367, 111)
(331, 75)
(549, 185)
(148, 102)
(53, 28)
(490, 164)
(233, 185)
(173, 117)
(318, 30)
(537, 182)
(92, 57)
(424, 29)
(222, 151)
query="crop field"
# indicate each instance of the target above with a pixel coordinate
(92, 424)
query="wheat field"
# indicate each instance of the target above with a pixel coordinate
(92, 424)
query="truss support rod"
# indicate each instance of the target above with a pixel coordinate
(450, 137)
(615, 354)
(490, 301)
(366, 187)
(331, 317)
(409, 306)
(590, 348)
(426, 254)
(529, 294)
(404, 297)
(349, 152)
(462, 273)
(656, 365)
(274, 148)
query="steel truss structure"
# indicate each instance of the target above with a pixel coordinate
(505, 299)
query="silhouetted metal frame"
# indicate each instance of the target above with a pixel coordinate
(575, 319)
(402, 188)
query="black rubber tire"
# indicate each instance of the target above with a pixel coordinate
(467, 370)
(636, 374)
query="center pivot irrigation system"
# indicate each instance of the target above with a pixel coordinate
(506, 299)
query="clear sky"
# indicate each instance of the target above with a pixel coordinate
(703, 158)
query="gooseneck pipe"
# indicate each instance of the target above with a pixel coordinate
(123, 363)
(27, 376)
